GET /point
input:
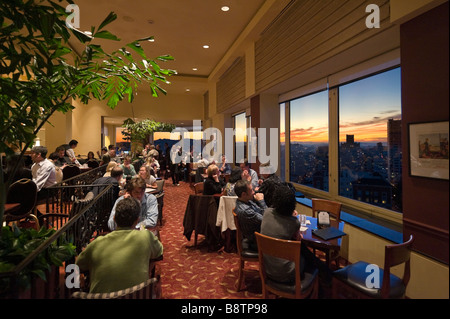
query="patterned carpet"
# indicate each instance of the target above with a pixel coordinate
(189, 272)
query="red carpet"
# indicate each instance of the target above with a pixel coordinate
(193, 272)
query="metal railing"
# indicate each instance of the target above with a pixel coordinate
(86, 220)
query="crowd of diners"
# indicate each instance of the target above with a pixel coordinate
(264, 204)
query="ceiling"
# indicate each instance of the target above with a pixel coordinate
(180, 28)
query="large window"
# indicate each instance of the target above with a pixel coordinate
(370, 140)
(346, 141)
(309, 140)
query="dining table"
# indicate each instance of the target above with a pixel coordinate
(315, 242)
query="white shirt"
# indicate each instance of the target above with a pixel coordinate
(70, 152)
(44, 174)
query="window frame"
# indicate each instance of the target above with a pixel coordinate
(386, 217)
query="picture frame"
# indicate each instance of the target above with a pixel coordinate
(428, 149)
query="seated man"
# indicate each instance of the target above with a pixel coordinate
(282, 222)
(249, 174)
(120, 259)
(249, 210)
(149, 204)
(43, 171)
(115, 179)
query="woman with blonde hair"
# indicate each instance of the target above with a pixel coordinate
(109, 168)
(150, 180)
(214, 184)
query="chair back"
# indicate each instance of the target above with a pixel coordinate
(140, 291)
(395, 255)
(160, 185)
(70, 171)
(238, 234)
(23, 191)
(92, 163)
(324, 205)
(280, 248)
(198, 187)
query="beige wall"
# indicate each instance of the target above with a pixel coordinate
(84, 123)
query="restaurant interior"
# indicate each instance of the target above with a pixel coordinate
(245, 76)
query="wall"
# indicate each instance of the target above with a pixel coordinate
(425, 98)
(86, 119)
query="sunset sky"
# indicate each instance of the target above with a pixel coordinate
(365, 107)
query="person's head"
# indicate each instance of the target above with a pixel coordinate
(284, 200)
(73, 143)
(236, 174)
(144, 171)
(127, 160)
(110, 166)
(90, 155)
(266, 170)
(243, 189)
(61, 150)
(136, 187)
(244, 165)
(117, 172)
(38, 153)
(112, 153)
(212, 170)
(53, 156)
(127, 212)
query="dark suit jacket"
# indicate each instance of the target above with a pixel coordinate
(106, 180)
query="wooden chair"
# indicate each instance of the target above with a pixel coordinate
(24, 192)
(351, 281)
(289, 250)
(198, 188)
(140, 291)
(244, 252)
(334, 209)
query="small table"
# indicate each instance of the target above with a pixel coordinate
(316, 242)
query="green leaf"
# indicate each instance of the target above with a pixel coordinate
(110, 18)
(137, 47)
(106, 35)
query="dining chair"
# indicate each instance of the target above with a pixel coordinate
(244, 252)
(352, 280)
(139, 291)
(93, 163)
(70, 171)
(198, 188)
(308, 287)
(333, 208)
(24, 192)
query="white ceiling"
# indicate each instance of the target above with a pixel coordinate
(180, 28)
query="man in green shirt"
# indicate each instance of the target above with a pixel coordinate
(120, 259)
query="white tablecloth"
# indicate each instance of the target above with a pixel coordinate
(225, 218)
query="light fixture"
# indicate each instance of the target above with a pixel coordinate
(188, 90)
(206, 46)
(225, 8)
(194, 69)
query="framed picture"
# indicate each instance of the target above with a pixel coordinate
(428, 149)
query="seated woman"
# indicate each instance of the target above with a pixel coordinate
(280, 221)
(109, 168)
(153, 164)
(213, 184)
(150, 180)
(128, 168)
(236, 174)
